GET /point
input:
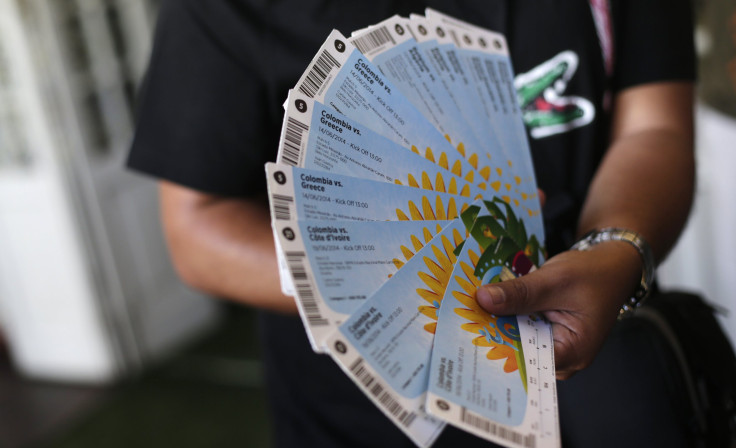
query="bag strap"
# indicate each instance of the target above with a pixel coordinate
(705, 358)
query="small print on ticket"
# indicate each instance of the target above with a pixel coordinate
(493, 375)
(336, 265)
(385, 345)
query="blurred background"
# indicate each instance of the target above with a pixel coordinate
(100, 344)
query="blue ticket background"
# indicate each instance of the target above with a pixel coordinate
(347, 81)
(465, 333)
(385, 345)
(390, 331)
(493, 375)
(319, 138)
(406, 65)
(302, 194)
(350, 260)
(378, 267)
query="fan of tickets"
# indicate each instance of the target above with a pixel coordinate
(403, 183)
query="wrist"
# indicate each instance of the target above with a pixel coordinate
(635, 255)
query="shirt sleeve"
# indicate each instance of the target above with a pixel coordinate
(654, 42)
(198, 120)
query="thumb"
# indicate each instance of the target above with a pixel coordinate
(522, 295)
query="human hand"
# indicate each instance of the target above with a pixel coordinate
(579, 292)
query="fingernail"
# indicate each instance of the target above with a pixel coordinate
(492, 295)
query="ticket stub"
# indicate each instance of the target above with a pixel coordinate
(385, 345)
(335, 265)
(317, 137)
(345, 80)
(302, 194)
(493, 375)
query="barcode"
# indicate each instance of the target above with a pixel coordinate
(317, 75)
(304, 289)
(485, 425)
(282, 206)
(293, 141)
(373, 40)
(384, 397)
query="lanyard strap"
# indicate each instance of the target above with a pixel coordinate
(602, 16)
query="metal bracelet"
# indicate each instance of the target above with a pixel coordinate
(598, 236)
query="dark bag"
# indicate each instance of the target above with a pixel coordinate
(703, 361)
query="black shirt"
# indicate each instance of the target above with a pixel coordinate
(210, 114)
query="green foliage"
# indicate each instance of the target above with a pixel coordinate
(501, 236)
(469, 215)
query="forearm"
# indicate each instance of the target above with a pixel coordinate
(646, 181)
(647, 186)
(223, 247)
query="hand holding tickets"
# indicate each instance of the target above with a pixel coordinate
(404, 182)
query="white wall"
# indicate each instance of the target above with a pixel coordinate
(704, 260)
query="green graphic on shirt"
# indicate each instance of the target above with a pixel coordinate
(533, 90)
(540, 92)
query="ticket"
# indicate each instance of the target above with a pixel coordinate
(487, 58)
(441, 53)
(335, 265)
(498, 72)
(488, 122)
(493, 375)
(302, 194)
(385, 345)
(285, 281)
(390, 45)
(345, 80)
(465, 37)
(317, 137)
(397, 54)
